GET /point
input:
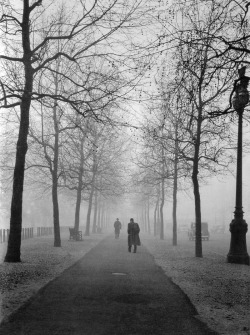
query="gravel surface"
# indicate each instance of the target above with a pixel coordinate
(219, 291)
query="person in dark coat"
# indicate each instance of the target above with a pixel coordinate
(118, 227)
(133, 235)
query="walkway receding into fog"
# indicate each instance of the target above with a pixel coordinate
(108, 292)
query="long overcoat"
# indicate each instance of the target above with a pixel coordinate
(118, 226)
(133, 234)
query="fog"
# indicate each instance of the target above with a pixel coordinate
(217, 205)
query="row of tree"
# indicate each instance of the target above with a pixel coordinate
(183, 143)
(69, 75)
(65, 67)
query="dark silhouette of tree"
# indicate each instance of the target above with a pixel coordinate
(203, 79)
(30, 36)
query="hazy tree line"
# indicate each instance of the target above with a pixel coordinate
(65, 68)
(200, 54)
(69, 72)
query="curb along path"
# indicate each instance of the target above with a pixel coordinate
(108, 291)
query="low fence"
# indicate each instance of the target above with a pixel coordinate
(27, 233)
(44, 231)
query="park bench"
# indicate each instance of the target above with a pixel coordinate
(75, 235)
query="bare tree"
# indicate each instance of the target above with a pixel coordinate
(26, 55)
(203, 79)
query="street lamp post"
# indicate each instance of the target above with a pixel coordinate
(238, 227)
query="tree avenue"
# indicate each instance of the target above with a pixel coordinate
(199, 56)
(31, 32)
(114, 98)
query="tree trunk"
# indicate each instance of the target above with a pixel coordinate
(175, 188)
(198, 240)
(87, 230)
(155, 216)
(90, 203)
(158, 218)
(103, 215)
(174, 211)
(161, 209)
(14, 243)
(99, 209)
(162, 195)
(57, 238)
(79, 189)
(95, 213)
(78, 207)
(149, 228)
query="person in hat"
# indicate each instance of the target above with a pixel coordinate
(133, 235)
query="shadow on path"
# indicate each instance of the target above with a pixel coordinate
(108, 292)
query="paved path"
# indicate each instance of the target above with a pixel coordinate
(108, 292)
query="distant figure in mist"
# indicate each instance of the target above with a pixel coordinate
(118, 227)
(133, 235)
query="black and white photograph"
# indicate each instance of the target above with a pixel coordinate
(124, 167)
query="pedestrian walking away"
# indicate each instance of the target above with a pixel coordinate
(118, 227)
(133, 235)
